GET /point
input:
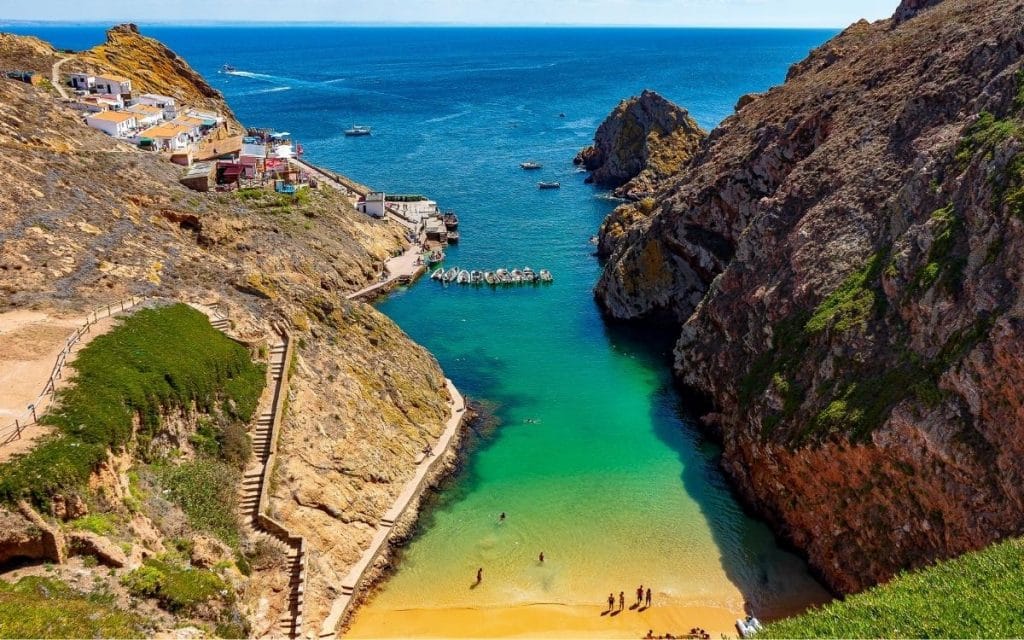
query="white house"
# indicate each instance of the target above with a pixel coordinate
(194, 125)
(166, 103)
(117, 85)
(209, 118)
(83, 81)
(147, 115)
(373, 204)
(167, 137)
(106, 100)
(119, 124)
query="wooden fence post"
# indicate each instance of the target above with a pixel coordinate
(17, 428)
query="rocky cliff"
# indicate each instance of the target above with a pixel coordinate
(643, 140)
(86, 220)
(843, 258)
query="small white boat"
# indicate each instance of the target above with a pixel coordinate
(476, 277)
(438, 275)
(464, 277)
(358, 130)
(748, 627)
(549, 185)
(517, 276)
(451, 274)
(502, 276)
(545, 276)
(529, 275)
(489, 278)
(530, 165)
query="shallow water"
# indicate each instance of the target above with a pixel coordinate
(596, 462)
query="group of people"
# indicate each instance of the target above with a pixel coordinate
(643, 598)
(696, 632)
(480, 571)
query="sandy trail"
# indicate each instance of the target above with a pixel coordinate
(30, 342)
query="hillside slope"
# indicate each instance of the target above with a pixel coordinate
(86, 220)
(843, 258)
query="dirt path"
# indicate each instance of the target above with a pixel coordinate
(55, 77)
(30, 342)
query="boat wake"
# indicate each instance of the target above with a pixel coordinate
(450, 116)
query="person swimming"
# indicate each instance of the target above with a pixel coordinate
(501, 518)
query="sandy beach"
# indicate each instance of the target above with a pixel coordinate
(541, 620)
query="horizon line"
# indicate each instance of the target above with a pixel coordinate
(378, 25)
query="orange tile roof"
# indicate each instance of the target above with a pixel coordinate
(188, 121)
(113, 116)
(145, 108)
(166, 130)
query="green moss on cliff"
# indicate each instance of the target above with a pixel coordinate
(975, 596)
(852, 304)
(943, 266)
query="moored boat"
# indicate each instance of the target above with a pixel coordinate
(476, 277)
(549, 185)
(489, 278)
(438, 275)
(463, 277)
(530, 165)
(545, 276)
(453, 237)
(517, 276)
(435, 256)
(358, 130)
(451, 221)
(529, 275)
(451, 274)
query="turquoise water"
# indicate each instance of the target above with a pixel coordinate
(595, 459)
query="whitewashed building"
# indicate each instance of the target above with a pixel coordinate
(167, 137)
(167, 103)
(83, 81)
(117, 85)
(120, 124)
(372, 204)
(147, 115)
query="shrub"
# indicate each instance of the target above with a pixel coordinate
(176, 588)
(206, 490)
(99, 523)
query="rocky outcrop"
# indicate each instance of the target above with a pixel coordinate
(843, 261)
(642, 141)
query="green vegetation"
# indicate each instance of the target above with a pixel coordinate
(852, 303)
(176, 588)
(206, 490)
(975, 596)
(947, 227)
(99, 523)
(36, 607)
(985, 134)
(155, 361)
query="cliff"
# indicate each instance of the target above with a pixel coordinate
(153, 68)
(843, 261)
(86, 220)
(643, 140)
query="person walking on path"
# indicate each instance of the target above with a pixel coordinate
(648, 596)
(542, 557)
(622, 600)
(479, 575)
(611, 602)
(639, 595)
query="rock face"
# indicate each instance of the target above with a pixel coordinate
(843, 260)
(643, 140)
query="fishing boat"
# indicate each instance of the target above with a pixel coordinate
(435, 256)
(545, 276)
(531, 165)
(489, 278)
(451, 274)
(451, 221)
(453, 237)
(517, 276)
(549, 185)
(438, 275)
(464, 277)
(476, 277)
(529, 275)
(227, 68)
(358, 130)
(502, 276)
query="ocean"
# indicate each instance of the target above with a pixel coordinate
(595, 458)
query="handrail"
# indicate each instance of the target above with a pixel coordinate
(12, 431)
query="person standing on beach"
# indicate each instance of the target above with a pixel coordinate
(611, 602)
(479, 575)
(542, 557)
(639, 595)
(648, 596)
(622, 600)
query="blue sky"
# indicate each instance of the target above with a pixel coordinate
(739, 13)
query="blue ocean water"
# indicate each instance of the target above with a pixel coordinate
(595, 459)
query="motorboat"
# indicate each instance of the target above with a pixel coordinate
(517, 276)
(545, 276)
(451, 274)
(453, 237)
(227, 68)
(464, 277)
(489, 278)
(435, 256)
(451, 221)
(438, 275)
(502, 276)
(531, 165)
(529, 275)
(358, 130)
(476, 277)
(549, 185)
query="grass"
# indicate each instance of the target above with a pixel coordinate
(947, 226)
(850, 305)
(177, 589)
(207, 491)
(977, 595)
(98, 523)
(156, 360)
(37, 607)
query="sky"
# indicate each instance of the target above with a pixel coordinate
(718, 13)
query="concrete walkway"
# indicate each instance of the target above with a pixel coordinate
(424, 466)
(55, 77)
(402, 268)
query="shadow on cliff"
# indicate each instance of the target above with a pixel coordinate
(773, 582)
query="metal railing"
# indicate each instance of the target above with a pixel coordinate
(12, 431)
